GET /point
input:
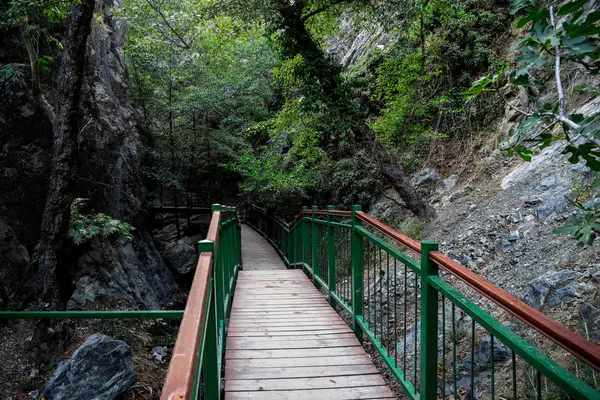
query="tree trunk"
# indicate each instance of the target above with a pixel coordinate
(395, 175)
(55, 222)
(297, 40)
(35, 77)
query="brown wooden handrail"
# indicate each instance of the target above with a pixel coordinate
(566, 338)
(556, 332)
(180, 376)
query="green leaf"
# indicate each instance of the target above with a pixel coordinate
(571, 7)
(520, 77)
(580, 45)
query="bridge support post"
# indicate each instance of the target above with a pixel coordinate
(331, 257)
(429, 325)
(357, 249)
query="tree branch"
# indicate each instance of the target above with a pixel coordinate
(323, 9)
(162, 16)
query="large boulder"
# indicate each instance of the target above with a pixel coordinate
(556, 287)
(100, 369)
(122, 273)
(180, 257)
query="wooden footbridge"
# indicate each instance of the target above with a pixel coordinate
(337, 305)
(286, 311)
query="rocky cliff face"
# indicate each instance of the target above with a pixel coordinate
(110, 139)
(130, 273)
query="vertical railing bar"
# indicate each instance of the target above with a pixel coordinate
(443, 383)
(492, 364)
(454, 350)
(395, 312)
(331, 257)
(429, 325)
(357, 272)
(405, 313)
(472, 392)
(514, 374)
(388, 303)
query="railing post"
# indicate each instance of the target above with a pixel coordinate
(305, 243)
(219, 277)
(211, 363)
(331, 257)
(357, 272)
(429, 325)
(315, 245)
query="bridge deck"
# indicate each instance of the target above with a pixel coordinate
(286, 342)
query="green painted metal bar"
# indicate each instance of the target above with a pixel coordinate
(145, 314)
(357, 272)
(211, 363)
(331, 256)
(389, 361)
(315, 244)
(305, 243)
(387, 247)
(342, 303)
(566, 381)
(429, 325)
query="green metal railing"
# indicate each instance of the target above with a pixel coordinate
(195, 369)
(411, 303)
(195, 372)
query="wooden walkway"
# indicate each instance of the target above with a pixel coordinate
(286, 342)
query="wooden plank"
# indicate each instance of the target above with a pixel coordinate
(298, 372)
(243, 385)
(329, 352)
(300, 361)
(314, 328)
(268, 334)
(287, 321)
(286, 324)
(270, 344)
(370, 392)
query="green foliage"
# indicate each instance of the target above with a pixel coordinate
(13, 76)
(557, 33)
(273, 180)
(84, 227)
(413, 228)
(584, 226)
(203, 81)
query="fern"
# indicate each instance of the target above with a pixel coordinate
(83, 227)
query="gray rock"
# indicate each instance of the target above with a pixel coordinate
(448, 184)
(483, 355)
(158, 354)
(590, 318)
(180, 257)
(553, 287)
(513, 236)
(426, 181)
(100, 369)
(551, 208)
(515, 218)
(127, 273)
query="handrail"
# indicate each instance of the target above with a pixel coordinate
(570, 340)
(299, 246)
